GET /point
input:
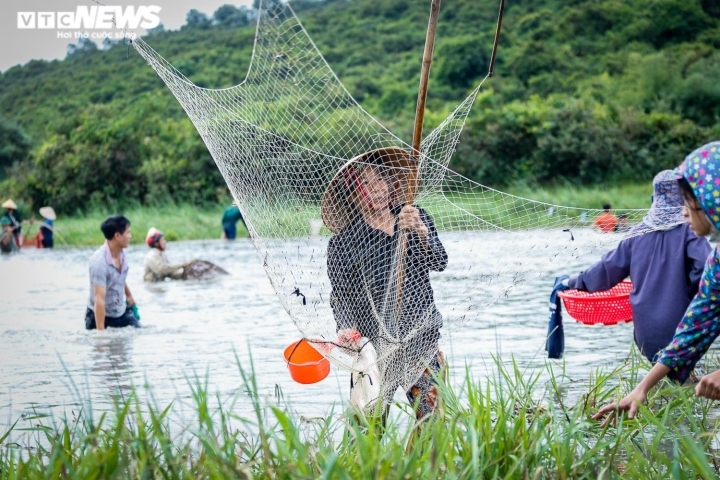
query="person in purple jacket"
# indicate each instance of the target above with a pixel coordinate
(699, 181)
(664, 259)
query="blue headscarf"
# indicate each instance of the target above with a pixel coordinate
(666, 210)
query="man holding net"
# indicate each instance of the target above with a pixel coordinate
(378, 264)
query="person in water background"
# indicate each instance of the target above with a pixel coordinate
(47, 228)
(15, 218)
(157, 265)
(606, 221)
(230, 217)
(110, 302)
(7, 240)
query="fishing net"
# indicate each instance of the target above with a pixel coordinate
(295, 147)
(202, 270)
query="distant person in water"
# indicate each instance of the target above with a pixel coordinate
(47, 228)
(622, 226)
(157, 265)
(7, 241)
(12, 214)
(606, 221)
(111, 303)
(229, 222)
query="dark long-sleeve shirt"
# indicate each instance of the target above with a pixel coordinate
(15, 220)
(360, 267)
(665, 267)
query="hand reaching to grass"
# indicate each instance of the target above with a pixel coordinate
(629, 404)
(709, 386)
(632, 402)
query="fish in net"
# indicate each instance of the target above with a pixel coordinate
(202, 270)
(409, 249)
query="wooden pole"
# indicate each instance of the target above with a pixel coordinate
(497, 39)
(422, 97)
(414, 173)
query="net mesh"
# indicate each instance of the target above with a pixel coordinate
(292, 145)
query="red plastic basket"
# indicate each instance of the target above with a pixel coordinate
(608, 307)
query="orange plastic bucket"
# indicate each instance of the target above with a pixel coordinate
(306, 364)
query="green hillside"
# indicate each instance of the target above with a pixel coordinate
(586, 91)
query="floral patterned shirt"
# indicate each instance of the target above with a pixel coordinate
(699, 327)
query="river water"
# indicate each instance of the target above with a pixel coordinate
(51, 364)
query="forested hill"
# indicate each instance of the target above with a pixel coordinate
(589, 91)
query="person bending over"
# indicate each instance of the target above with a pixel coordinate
(699, 181)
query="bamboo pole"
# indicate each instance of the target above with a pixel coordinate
(414, 173)
(422, 97)
(497, 39)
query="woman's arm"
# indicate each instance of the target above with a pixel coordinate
(699, 327)
(436, 258)
(696, 332)
(612, 269)
(343, 281)
(632, 401)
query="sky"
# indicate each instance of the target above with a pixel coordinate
(20, 45)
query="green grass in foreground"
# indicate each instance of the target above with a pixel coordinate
(190, 222)
(489, 430)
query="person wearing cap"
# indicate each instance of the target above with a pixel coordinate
(7, 240)
(363, 206)
(47, 227)
(12, 214)
(157, 265)
(664, 259)
(111, 302)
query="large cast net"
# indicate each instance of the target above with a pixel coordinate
(284, 139)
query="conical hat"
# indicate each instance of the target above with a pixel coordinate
(336, 209)
(48, 212)
(9, 204)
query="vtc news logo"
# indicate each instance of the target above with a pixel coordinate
(95, 17)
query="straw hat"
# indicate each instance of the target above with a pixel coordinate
(48, 212)
(336, 209)
(9, 204)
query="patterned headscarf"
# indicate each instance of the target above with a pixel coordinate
(702, 171)
(666, 210)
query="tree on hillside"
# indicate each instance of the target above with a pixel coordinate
(14, 144)
(84, 46)
(231, 16)
(154, 31)
(197, 19)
